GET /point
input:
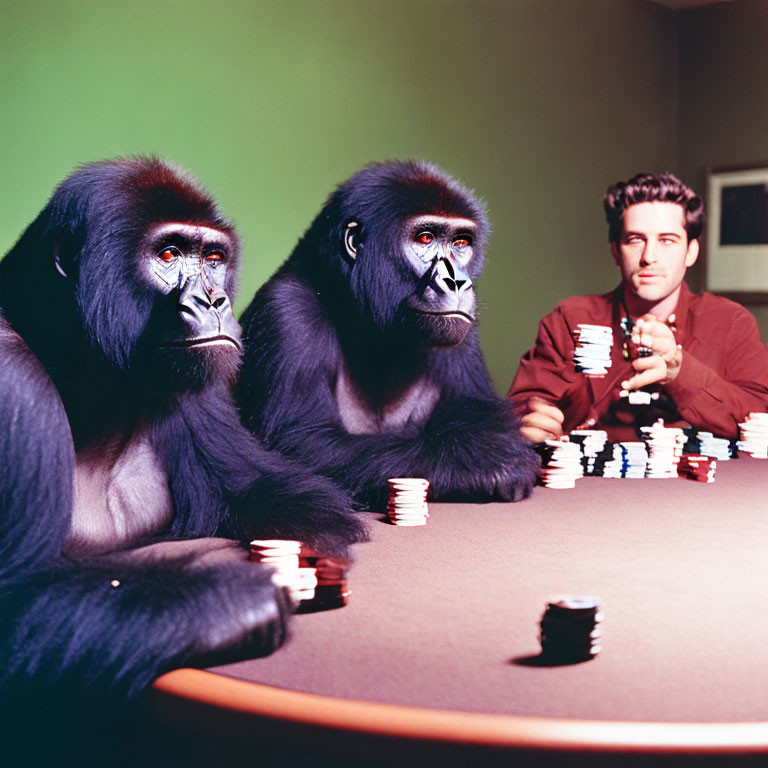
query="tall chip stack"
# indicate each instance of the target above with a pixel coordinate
(593, 443)
(635, 459)
(592, 352)
(665, 446)
(561, 463)
(754, 435)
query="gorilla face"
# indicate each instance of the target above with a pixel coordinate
(192, 329)
(439, 249)
(423, 276)
(404, 241)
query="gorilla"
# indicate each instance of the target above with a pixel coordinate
(123, 453)
(362, 358)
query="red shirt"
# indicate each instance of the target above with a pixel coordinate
(723, 376)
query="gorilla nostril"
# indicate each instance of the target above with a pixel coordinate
(450, 283)
(219, 302)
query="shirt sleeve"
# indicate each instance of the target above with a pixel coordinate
(546, 370)
(718, 402)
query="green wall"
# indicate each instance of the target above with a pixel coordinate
(536, 104)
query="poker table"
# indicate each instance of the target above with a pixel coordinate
(437, 653)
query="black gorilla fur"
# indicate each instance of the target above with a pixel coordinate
(328, 311)
(88, 625)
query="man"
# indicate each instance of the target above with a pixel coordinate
(699, 357)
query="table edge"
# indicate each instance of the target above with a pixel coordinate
(447, 726)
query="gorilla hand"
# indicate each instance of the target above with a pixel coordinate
(296, 504)
(507, 467)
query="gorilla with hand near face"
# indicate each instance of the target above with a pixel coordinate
(361, 353)
(123, 453)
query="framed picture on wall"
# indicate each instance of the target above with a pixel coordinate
(737, 233)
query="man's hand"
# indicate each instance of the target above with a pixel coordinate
(542, 422)
(664, 364)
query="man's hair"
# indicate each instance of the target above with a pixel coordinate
(652, 188)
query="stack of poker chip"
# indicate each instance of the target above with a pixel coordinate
(701, 468)
(754, 435)
(332, 590)
(592, 353)
(665, 446)
(635, 459)
(560, 463)
(706, 444)
(570, 630)
(283, 556)
(613, 466)
(407, 504)
(592, 442)
(714, 447)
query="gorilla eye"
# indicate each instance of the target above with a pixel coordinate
(425, 238)
(461, 242)
(214, 258)
(168, 254)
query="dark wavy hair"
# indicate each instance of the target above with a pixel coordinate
(651, 188)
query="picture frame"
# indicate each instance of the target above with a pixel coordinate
(736, 254)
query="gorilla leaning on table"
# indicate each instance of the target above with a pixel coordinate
(362, 358)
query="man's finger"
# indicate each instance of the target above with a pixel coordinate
(644, 378)
(646, 363)
(536, 435)
(539, 427)
(537, 405)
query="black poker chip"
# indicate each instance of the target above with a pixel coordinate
(570, 630)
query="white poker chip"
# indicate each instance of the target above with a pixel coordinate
(407, 502)
(592, 350)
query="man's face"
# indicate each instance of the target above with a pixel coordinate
(653, 251)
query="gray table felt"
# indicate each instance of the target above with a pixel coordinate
(446, 616)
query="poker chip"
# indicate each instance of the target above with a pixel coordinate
(570, 630)
(754, 435)
(331, 590)
(407, 503)
(714, 447)
(701, 443)
(593, 443)
(283, 556)
(639, 396)
(665, 446)
(634, 459)
(592, 352)
(561, 463)
(661, 453)
(701, 468)
(313, 582)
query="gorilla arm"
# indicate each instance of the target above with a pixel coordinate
(38, 459)
(224, 480)
(472, 437)
(79, 634)
(467, 447)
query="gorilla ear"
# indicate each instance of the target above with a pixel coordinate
(57, 259)
(352, 239)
